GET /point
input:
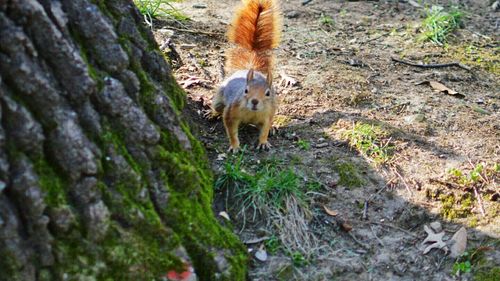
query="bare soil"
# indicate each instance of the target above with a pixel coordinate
(340, 53)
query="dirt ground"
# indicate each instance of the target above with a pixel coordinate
(340, 53)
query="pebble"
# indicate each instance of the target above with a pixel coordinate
(292, 14)
(261, 255)
(414, 118)
(199, 6)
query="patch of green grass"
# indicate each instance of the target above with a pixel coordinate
(325, 20)
(304, 145)
(349, 175)
(490, 274)
(298, 258)
(268, 185)
(371, 141)
(480, 174)
(273, 244)
(439, 23)
(473, 261)
(154, 9)
(462, 267)
(467, 184)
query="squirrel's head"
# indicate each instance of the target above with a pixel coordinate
(258, 93)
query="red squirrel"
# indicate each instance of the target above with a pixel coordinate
(247, 96)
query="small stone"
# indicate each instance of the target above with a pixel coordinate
(436, 226)
(199, 6)
(261, 255)
(321, 140)
(292, 14)
(414, 118)
(166, 32)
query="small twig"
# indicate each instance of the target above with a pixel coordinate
(206, 73)
(445, 183)
(394, 227)
(256, 240)
(194, 31)
(305, 2)
(378, 239)
(395, 170)
(479, 201)
(375, 38)
(438, 65)
(220, 67)
(357, 241)
(365, 210)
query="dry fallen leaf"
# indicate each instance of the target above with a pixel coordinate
(330, 212)
(346, 226)
(438, 87)
(224, 215)
(458, 243)
(436, 240)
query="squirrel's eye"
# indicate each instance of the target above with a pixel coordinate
(246, 91)
(268, 93)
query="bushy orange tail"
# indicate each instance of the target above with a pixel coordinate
(256, 30)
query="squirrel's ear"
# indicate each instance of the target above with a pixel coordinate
(269, 79)
(249, 75)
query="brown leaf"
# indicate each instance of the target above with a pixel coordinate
(346, 226)
(438, 87)
(330, 212)
(459, 243)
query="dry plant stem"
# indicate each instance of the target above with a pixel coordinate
(479, 201)
(437, 65)
(365, 210)
(445, 183)
(205, 72)
(357, 241)
(194, 31)
(293, 228)
(256, 240)
(392, 226)
(395, 170)
(375, 234)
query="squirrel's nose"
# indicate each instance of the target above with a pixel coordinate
(255, 102)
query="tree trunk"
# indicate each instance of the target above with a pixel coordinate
(100, 179)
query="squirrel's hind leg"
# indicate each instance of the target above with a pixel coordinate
(218, 101)
(217, 105)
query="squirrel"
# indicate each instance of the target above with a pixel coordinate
(247, 96)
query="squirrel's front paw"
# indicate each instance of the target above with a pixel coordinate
(235, 149)
(264, 146)
(210, 114)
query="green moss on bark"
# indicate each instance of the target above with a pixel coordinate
(51, 183)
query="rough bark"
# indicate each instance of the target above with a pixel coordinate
(100, 179)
